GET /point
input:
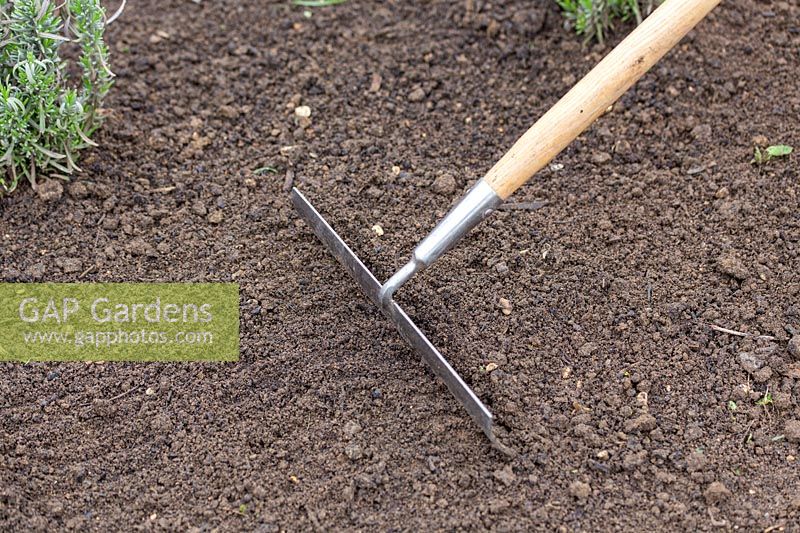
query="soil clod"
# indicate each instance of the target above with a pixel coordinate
(791, 430)
(580, 490)
(641, 423)
(444, 184)
(505, 475)
(716, 493)
(750, 362)
(794, 347)
(732, 266)
(49, 190)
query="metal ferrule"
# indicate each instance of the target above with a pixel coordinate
(473, 207)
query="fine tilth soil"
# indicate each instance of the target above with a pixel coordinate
(626, 405)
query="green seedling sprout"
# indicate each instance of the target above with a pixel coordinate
(765, 400)
(770, 152)
(263, 170)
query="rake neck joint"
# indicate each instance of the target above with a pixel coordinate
(470, 210)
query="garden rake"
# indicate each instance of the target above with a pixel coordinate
(572, 114)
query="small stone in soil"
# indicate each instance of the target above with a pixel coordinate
(215, 217)
(580, 490)
(376, 394)
(302, 111)
(505, 306)
(378, 230)
(641, 399)
(375, 83)
(716, 493)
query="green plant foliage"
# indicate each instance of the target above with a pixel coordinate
(44, 120)
(593, 18)
(770, 152)
(765, 400)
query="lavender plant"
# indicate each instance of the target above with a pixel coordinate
(593, 18)
(45, 120)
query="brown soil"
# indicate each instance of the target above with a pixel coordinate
(655, 228)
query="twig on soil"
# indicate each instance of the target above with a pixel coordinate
(117, 397)
(123, 394)
(86, 272)
(169, 188)
(739, 333)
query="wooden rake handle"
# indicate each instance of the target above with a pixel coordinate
(593, 94)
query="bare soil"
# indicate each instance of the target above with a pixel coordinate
(612, 382)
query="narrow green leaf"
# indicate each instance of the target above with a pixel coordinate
(317, 3)
(263, 170)
(49, 153)
(86, 139)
